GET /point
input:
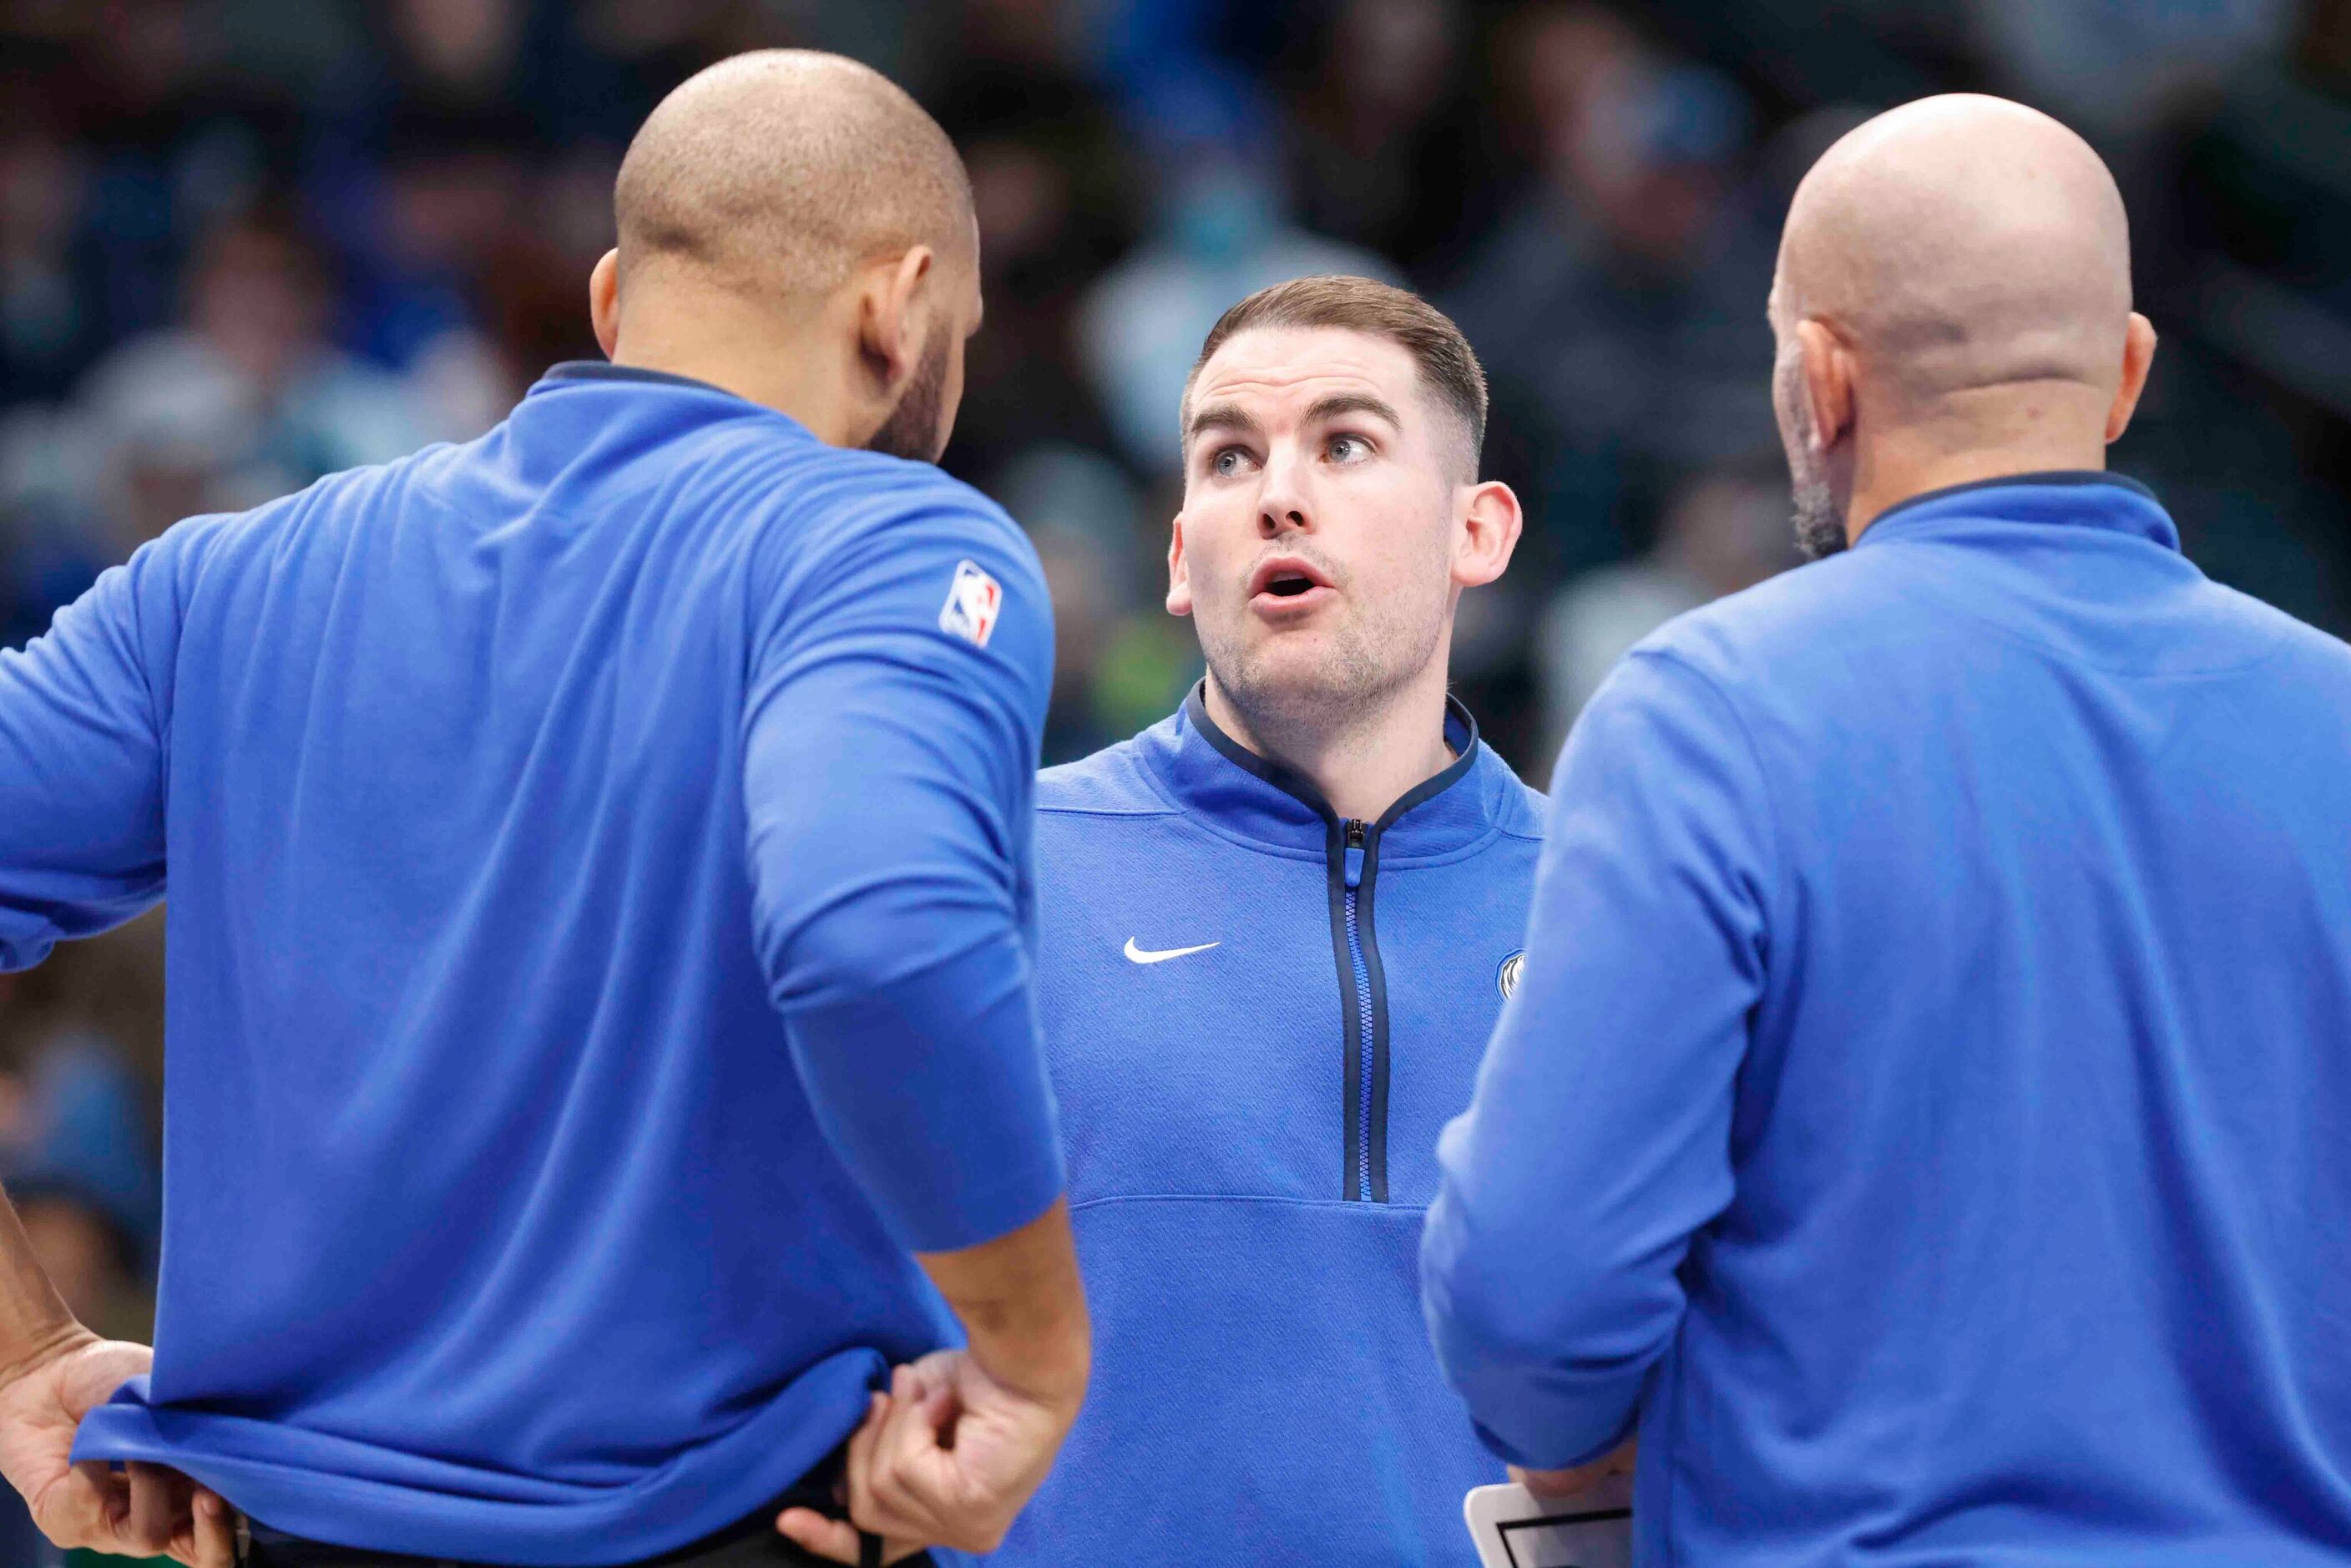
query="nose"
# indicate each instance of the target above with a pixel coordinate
(1280, 503)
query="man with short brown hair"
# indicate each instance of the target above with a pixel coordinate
(1275, 926)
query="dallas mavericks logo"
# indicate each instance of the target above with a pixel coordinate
(974, 601)
(1507, 977)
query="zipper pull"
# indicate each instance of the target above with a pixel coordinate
(1355, 852)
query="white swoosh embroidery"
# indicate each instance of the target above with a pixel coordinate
(1138, 955)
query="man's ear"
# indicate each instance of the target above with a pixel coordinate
(604, 302)
(889, 324)
(1179, 573)
(1490, 525)
(2139, 358)
(1828, 380)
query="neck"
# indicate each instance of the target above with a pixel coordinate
(2037, 434)
(1363, 765)
(713, 336)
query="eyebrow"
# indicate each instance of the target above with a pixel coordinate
(1338, 404)
(1226, 416)
(1233, 417)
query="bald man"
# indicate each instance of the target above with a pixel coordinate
(1926, 1111)
(599, 865)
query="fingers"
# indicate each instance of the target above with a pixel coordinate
(212, 1534)
(1568, 1482)
(904, 1456)
(158, 1511)
(859, 1470)
(87, 1507)
(834, 1540)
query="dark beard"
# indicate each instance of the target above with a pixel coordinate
(1819, 534)
(912, 431)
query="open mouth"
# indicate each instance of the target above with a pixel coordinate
(1285, 578)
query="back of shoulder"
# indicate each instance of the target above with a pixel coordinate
(1825, 607)
(827, 499)
(2298, 641)
(323, 515)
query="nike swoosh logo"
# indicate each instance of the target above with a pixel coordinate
(1139, 955)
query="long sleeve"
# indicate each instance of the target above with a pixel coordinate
(81, 760)
(890, 759)
(1598, 1141)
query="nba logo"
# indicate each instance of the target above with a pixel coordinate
(973, 599)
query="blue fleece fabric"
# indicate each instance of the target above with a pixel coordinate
(506, 796)
(1929, 1106)
(1262, 1390)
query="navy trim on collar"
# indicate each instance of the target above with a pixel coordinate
(1461, 733)
(598, 371)
(2051, 477)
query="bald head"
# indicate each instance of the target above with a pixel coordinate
(785, 170)
(1953, 303)
(1960, 242)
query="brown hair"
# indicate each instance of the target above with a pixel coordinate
(1447, 364)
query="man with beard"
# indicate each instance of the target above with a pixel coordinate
(598, 862)
(1277, 926)
(1925, 1111)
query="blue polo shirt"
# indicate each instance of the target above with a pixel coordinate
(600, 918)
(1258, 1014)
(1928, 1109)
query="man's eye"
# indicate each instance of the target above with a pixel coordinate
(1226, 464)
(1349, 448)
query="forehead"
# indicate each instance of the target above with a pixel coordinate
(1272, 369)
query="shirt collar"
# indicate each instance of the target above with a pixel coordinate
(598, 371)
(1207, 772)
(2087, 497)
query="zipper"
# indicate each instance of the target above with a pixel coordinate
(1363, 991)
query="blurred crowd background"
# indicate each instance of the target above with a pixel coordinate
(246, 243)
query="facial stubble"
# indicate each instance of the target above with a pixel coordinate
(913, 429)
(1362, 666)
(1819, 521)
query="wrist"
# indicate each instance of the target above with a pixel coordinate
(29, 1347)
(1049, 1368)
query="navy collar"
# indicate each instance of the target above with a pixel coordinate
(2085, 496)
(1212, 776)
(598, 371)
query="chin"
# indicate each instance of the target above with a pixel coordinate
(1298, 672)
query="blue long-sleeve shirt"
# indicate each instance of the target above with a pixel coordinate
(1256, 1017)
(1927, 1107)
(600, 910)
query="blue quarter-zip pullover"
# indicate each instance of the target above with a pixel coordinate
(1928, 1104)
(1256, 1017)
(504, 795)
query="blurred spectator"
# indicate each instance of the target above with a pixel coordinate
(458, 56)
(445, 242)
(1122, 663)
(1220, 233)
(1385, 152)
(1619, 308)
(51, 313)
(1024, 384)
(248, 401)
(47, 554)
(85, 1181)
(1728, 530)
(2120, 67)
